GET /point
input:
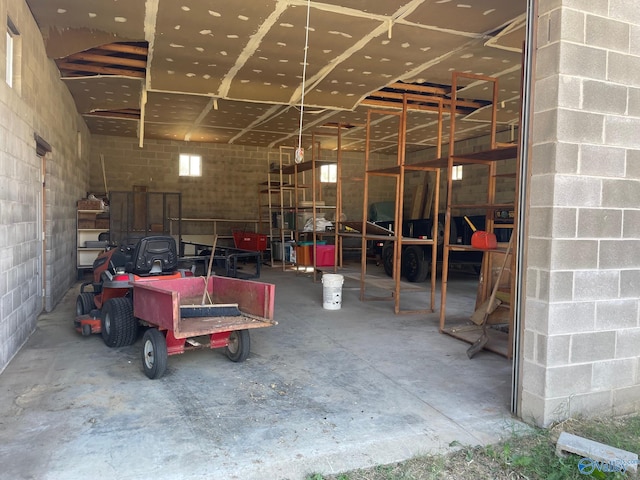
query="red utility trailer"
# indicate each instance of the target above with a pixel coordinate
(179, 320)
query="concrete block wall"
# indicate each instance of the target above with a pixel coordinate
(231, 175)
(581, 320)
(38, 104)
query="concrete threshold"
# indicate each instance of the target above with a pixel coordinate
(324, 391)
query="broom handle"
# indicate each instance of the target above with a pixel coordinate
(206, 283)
(494, 290)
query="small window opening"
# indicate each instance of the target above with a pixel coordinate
(456, 172)
(190, 165)
(329, 173)
(11, 33)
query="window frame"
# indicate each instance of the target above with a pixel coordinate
(329, 173)
(191, 171)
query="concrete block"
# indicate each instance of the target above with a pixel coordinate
(615, 254)
(534, 376)
(574, 254)
(580, 127)
(613, 374)
(617, 314)
(615, 457)
(622, 69)
(599, 223)
(602, 97)
(571, 317)
(545, 126)
(634, 42)
(618, 193)
(572, 26)
(602, 161)
(539, 253)
(572, 191)
(629, 283)
(593, 285)
(568, 380)
(553, 350)
(620, 130)
(542, 190)
(625, 11)
(628, 343)
(547, 59)
(633, 101)
(607, 33)
(540, 221)
(626, 400)
(560, 286)
(564, 222)
(583, 61)
(537, 315)
(593, 347)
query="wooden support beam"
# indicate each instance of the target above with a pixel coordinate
(124, 48)
(108, 59)
(77, 67)
(407, 87)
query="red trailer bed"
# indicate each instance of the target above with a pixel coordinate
(175, 311)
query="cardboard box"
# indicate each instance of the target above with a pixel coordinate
(86, 204)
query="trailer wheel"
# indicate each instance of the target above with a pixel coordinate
(414, 265)
(154, 353)
(119, 327)
(387, 259)
(84, 303)
(239, 346)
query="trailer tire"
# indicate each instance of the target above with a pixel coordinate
(119, 326)
(154, 353)
(414, 266)
(84, 303)
(387, 259)
(239, 345)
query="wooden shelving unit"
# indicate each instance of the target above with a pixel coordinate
(87, 237)
(276, 204)
(460, 327)
(397, 172)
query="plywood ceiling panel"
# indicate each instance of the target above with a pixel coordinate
(472, 16)
(118, 127)
(232, 72)
(197, 43)
(278, 62)
(93, 94)
(70, 26)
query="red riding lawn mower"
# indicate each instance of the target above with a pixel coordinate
(108, 307)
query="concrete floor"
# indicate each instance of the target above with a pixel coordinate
(322, 392)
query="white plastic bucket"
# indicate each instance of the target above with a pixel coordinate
(332, 291)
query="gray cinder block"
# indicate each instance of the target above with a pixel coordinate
(569, 443)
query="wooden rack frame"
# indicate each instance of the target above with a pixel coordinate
(462, 330)
(398, 172)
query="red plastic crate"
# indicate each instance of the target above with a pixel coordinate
(325, 255)
(250, 240)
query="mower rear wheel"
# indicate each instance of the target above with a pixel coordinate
(239, 346)
(84, 303)
(154, 353)
(119, 327)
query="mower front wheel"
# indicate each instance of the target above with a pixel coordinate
(239, 345)
(119, 327)
(84, 303)
(154, 353)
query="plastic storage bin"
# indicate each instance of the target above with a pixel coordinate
(325, 255)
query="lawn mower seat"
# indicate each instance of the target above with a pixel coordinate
(154, 255)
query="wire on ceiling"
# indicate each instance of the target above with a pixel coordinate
(299, 155)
